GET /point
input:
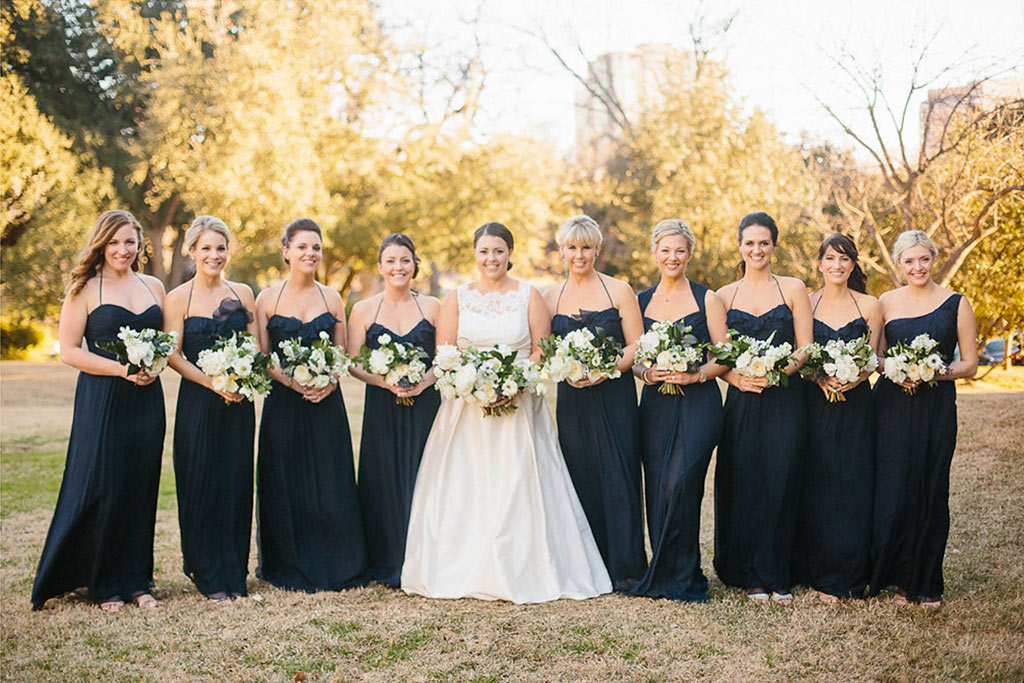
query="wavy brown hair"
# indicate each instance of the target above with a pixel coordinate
(91, 258)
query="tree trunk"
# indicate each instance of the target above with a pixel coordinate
(1007, 349)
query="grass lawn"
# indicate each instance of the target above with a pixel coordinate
(379, 634)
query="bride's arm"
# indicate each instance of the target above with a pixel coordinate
(448, 320)
(540, 323)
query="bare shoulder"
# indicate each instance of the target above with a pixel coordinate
(267, 295)
(242, 289)
(153, 283)
(616, 286)
(712, 298)
(430, 304)
(177, 296)
(728, 289)
(867, 303)
(792, 284)
(891, 297)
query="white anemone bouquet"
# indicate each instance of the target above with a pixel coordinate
(236, 365)
(670, 346)
(844, 360)
(146, 349)
(755, 357)
(917, 361)
(401, 365)
(485, 376)
(317, 365)
(581, 354)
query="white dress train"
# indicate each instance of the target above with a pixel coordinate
(494, 513)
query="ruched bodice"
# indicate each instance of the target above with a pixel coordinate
(200, 332)
(492, 318)
(939, 324)
(778, 320)
(106, 320)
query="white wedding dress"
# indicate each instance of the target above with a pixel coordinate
(494, 514)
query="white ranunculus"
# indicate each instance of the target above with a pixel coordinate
(320, 381)
(577, 370)
(915, 372)
(302, 375)
(157, 366)
(220, 382)
(557, 368)
(139, 353)
(758, 367)
(214, 363)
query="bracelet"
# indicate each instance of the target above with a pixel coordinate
(703, 376)
(643, 377)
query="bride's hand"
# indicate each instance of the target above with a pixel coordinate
(502, 402)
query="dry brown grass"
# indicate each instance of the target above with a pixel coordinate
(378, 634)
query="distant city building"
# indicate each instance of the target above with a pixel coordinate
(968, 99)
(626, 81)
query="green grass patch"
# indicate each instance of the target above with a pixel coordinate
(31, 480)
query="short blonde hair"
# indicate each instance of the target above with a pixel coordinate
(672, 226)
(912, 238)
(581, 230)
(201, 224)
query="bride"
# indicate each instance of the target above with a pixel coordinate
(494, 514)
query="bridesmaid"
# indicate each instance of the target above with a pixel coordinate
(833, 545)
(393, 435)
(101, 535)
(916, 435)
(213, 430)
(678, 433)
(762, 438)
(310, 532)
(597, 422)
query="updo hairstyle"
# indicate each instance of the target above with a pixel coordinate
(399, 239)
(495, 229)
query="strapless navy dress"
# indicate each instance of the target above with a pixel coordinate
(390, 449)
(309, 529)
(756, 477)
(213, 466)
(833, 546)
(916, 438)
(597, 432)
(101, 535)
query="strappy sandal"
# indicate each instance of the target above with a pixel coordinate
(930, 603)
(899, 598)
(146, 600)
(112, 605)
(757, 595)
(782, 598)
(219, 598)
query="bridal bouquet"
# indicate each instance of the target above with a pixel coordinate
(670, 345)
(145, 349)
(843, 360)
(917, 361)
(236, 365)
(316, 365)
(581, 354)
(754, 357)
(401, 365)
(485, 376)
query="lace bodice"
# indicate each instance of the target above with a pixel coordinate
(489, 319)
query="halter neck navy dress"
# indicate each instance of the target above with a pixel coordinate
(213, 465)
(833, 546)
(597, 431)
(390, 449)
(309, 530)
(916, 437)
(677, 437)
(756, 485)
(101, 535)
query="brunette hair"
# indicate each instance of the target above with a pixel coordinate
(300, 225)
(844, 245)
(399, 239)
(495, 229)
(757, 218)
(92, 257)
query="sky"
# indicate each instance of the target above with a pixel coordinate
(777, 51)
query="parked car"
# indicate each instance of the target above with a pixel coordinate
(994, 352)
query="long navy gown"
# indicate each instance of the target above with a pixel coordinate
(756, 477)
(677, 436)
(213, 465)
(389, 457)
(309, 529)
(833, 546)
(597, 431)
(101, 535)
(916, 437)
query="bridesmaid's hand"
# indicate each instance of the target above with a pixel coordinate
(830, 385)
(141, 378)
(228, 396)
(682, 378)
(753, 385)
(583, 383)
(909, 384)
(315, 395)
(414, 390)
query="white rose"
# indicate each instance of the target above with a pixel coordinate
(915, 373)
(577, 370)
(139, 353)
(302, 375)
(465, 380)
(557, 368)
(158, 366)
(384, 339)
(447, 392)
(892, 369)
(447, 357)
(743, 362)
(380, 359)
(509, 388)
(220, 383)
(927, 373)
(321, 381)
(758, 367)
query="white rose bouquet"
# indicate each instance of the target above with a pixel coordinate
(237, 365)
(844, 360)
(145, 349)
(918, 361)
(581, 355)
(755, 357)
(670, 345)
(317, 365)
(401, 365)
(486, 376)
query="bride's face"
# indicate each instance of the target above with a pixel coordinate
(492, 256)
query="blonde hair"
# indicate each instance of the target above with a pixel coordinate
(672, 226)
(912, 238)
(580, 230)
(201, 224)
(92, 256)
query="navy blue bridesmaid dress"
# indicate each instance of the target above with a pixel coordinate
(833, 547)
(597, 431)
(101, 535)
(756, 476)
(390, 449)
(916, 437)
(213, 465)
(677, 436)
(309, 529)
